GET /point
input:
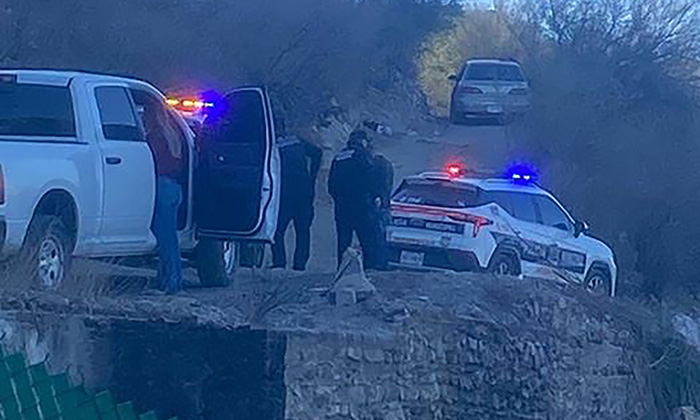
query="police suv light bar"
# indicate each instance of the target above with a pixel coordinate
(188, 105)
(518, 173)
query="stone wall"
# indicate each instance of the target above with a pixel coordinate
(488, 353)
(569, 365)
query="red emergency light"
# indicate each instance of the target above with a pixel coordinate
(455, 169)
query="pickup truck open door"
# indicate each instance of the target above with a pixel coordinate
(237, 180)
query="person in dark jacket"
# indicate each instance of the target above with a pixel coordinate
(300, 163)
(353, 187)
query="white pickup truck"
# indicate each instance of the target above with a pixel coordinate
(77, 177)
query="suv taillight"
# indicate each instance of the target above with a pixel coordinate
(477, 221)
(2, 186)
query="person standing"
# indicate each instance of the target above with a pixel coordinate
(166, 147)
(352, 185)
(300, 163)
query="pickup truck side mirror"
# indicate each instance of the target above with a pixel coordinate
(452, 77)
(580, 227)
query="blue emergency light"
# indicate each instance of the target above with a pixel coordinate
(521, 173)
(218, 105)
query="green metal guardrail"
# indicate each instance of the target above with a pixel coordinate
(30, 393)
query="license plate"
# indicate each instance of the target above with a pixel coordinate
(494, 109)
(412, 258)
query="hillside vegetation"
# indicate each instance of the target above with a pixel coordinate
(306, 51)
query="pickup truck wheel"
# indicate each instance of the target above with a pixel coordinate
(215, 262)
(46, 257)
(598, 282)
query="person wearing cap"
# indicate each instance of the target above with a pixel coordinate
(352, 185)
(300, 163)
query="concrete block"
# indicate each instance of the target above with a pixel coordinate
(344, 297)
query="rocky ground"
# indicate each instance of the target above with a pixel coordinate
(425, 346)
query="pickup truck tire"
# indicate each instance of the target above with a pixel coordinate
(598, 282)
(215, 262)
(46, 256)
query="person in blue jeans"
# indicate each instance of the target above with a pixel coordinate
(166, 145)
(168, 199)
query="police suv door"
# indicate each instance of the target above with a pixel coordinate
(567, 258)
(238, 176)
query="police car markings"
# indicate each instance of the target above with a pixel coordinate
(549, 257)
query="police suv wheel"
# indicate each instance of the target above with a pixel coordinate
(45, 257)
(598, 282)
(504, 264)
(215, 262)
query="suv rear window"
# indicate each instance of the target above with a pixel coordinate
(437, 193)
(36, 110)
(490, 71)
(517, 204)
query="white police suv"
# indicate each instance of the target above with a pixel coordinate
(464, 222)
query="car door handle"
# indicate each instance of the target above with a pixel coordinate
(113, 160)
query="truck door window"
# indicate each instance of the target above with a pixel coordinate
(144, 100)
(240, 128)
(117, 114)
(167, 127)
(36, 110)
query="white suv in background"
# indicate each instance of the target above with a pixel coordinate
(504, 226)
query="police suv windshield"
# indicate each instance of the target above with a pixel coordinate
(437, 193)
